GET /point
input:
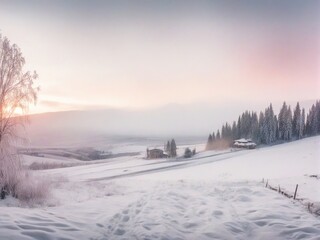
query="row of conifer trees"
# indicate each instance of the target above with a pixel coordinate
(269, 128)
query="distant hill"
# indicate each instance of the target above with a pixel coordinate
(172, 120)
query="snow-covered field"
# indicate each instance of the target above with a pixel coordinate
(214, 195)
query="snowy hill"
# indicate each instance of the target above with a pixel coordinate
(214, 195)
(82, 127)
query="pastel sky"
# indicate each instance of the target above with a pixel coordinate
(145, 54)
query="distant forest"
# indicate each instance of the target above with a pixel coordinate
(269, 128)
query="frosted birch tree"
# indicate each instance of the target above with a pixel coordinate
(17, 92)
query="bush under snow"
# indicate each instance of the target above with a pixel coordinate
(32, 191)
(18, 182)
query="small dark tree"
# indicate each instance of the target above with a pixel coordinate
(302, 124)
(255, 133)
(173, 148)
(238, 128)
(218, 135)
(213, 137)
(288, 125)
(147, 153)
(234, 131)
(168, 147)
(187, 153)
(313, 120)
(262, 134)
(209, 142)
(296, 122)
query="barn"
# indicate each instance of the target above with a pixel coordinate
(155, 153)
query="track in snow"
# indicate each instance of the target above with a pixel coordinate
(202, 211)
(171, 165)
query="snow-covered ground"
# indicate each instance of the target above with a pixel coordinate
(214, 195)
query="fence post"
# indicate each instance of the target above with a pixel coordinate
(267, 183)
(279, 189)
(295, 192)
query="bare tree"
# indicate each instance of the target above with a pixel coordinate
(17, 92)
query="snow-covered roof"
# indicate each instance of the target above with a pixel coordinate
(241, 140)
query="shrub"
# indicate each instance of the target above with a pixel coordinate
(187, 153)
(18, 182)
(47, 165)
(32, 191)
(10, 168)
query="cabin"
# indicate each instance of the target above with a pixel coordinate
(244, 143)
(155, 153)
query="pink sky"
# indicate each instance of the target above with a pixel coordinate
(144, 55)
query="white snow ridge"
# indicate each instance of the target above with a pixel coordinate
(210, 196)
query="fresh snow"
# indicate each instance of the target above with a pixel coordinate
(214, 195)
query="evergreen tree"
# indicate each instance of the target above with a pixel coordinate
(318, 116)
(245, 124)
(147, 153)
(234, 131)
(173, 149)
(302, 125)
(262, 128)
(282, 121)
(276, 122)
(255, 133)
(314, 120)
(296, 121)
(213, 137)
(288, 125)
(168, 148)
(274, 125)
(238, 128)
(218, 137)
(226, 133)
(269, 125)
(223, 132)
(308, 125)
(209, 143)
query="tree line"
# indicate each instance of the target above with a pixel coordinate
(267, 127)
(171, 148)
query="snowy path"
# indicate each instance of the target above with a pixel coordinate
(125, 168)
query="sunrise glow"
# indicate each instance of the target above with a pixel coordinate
(110, 55)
